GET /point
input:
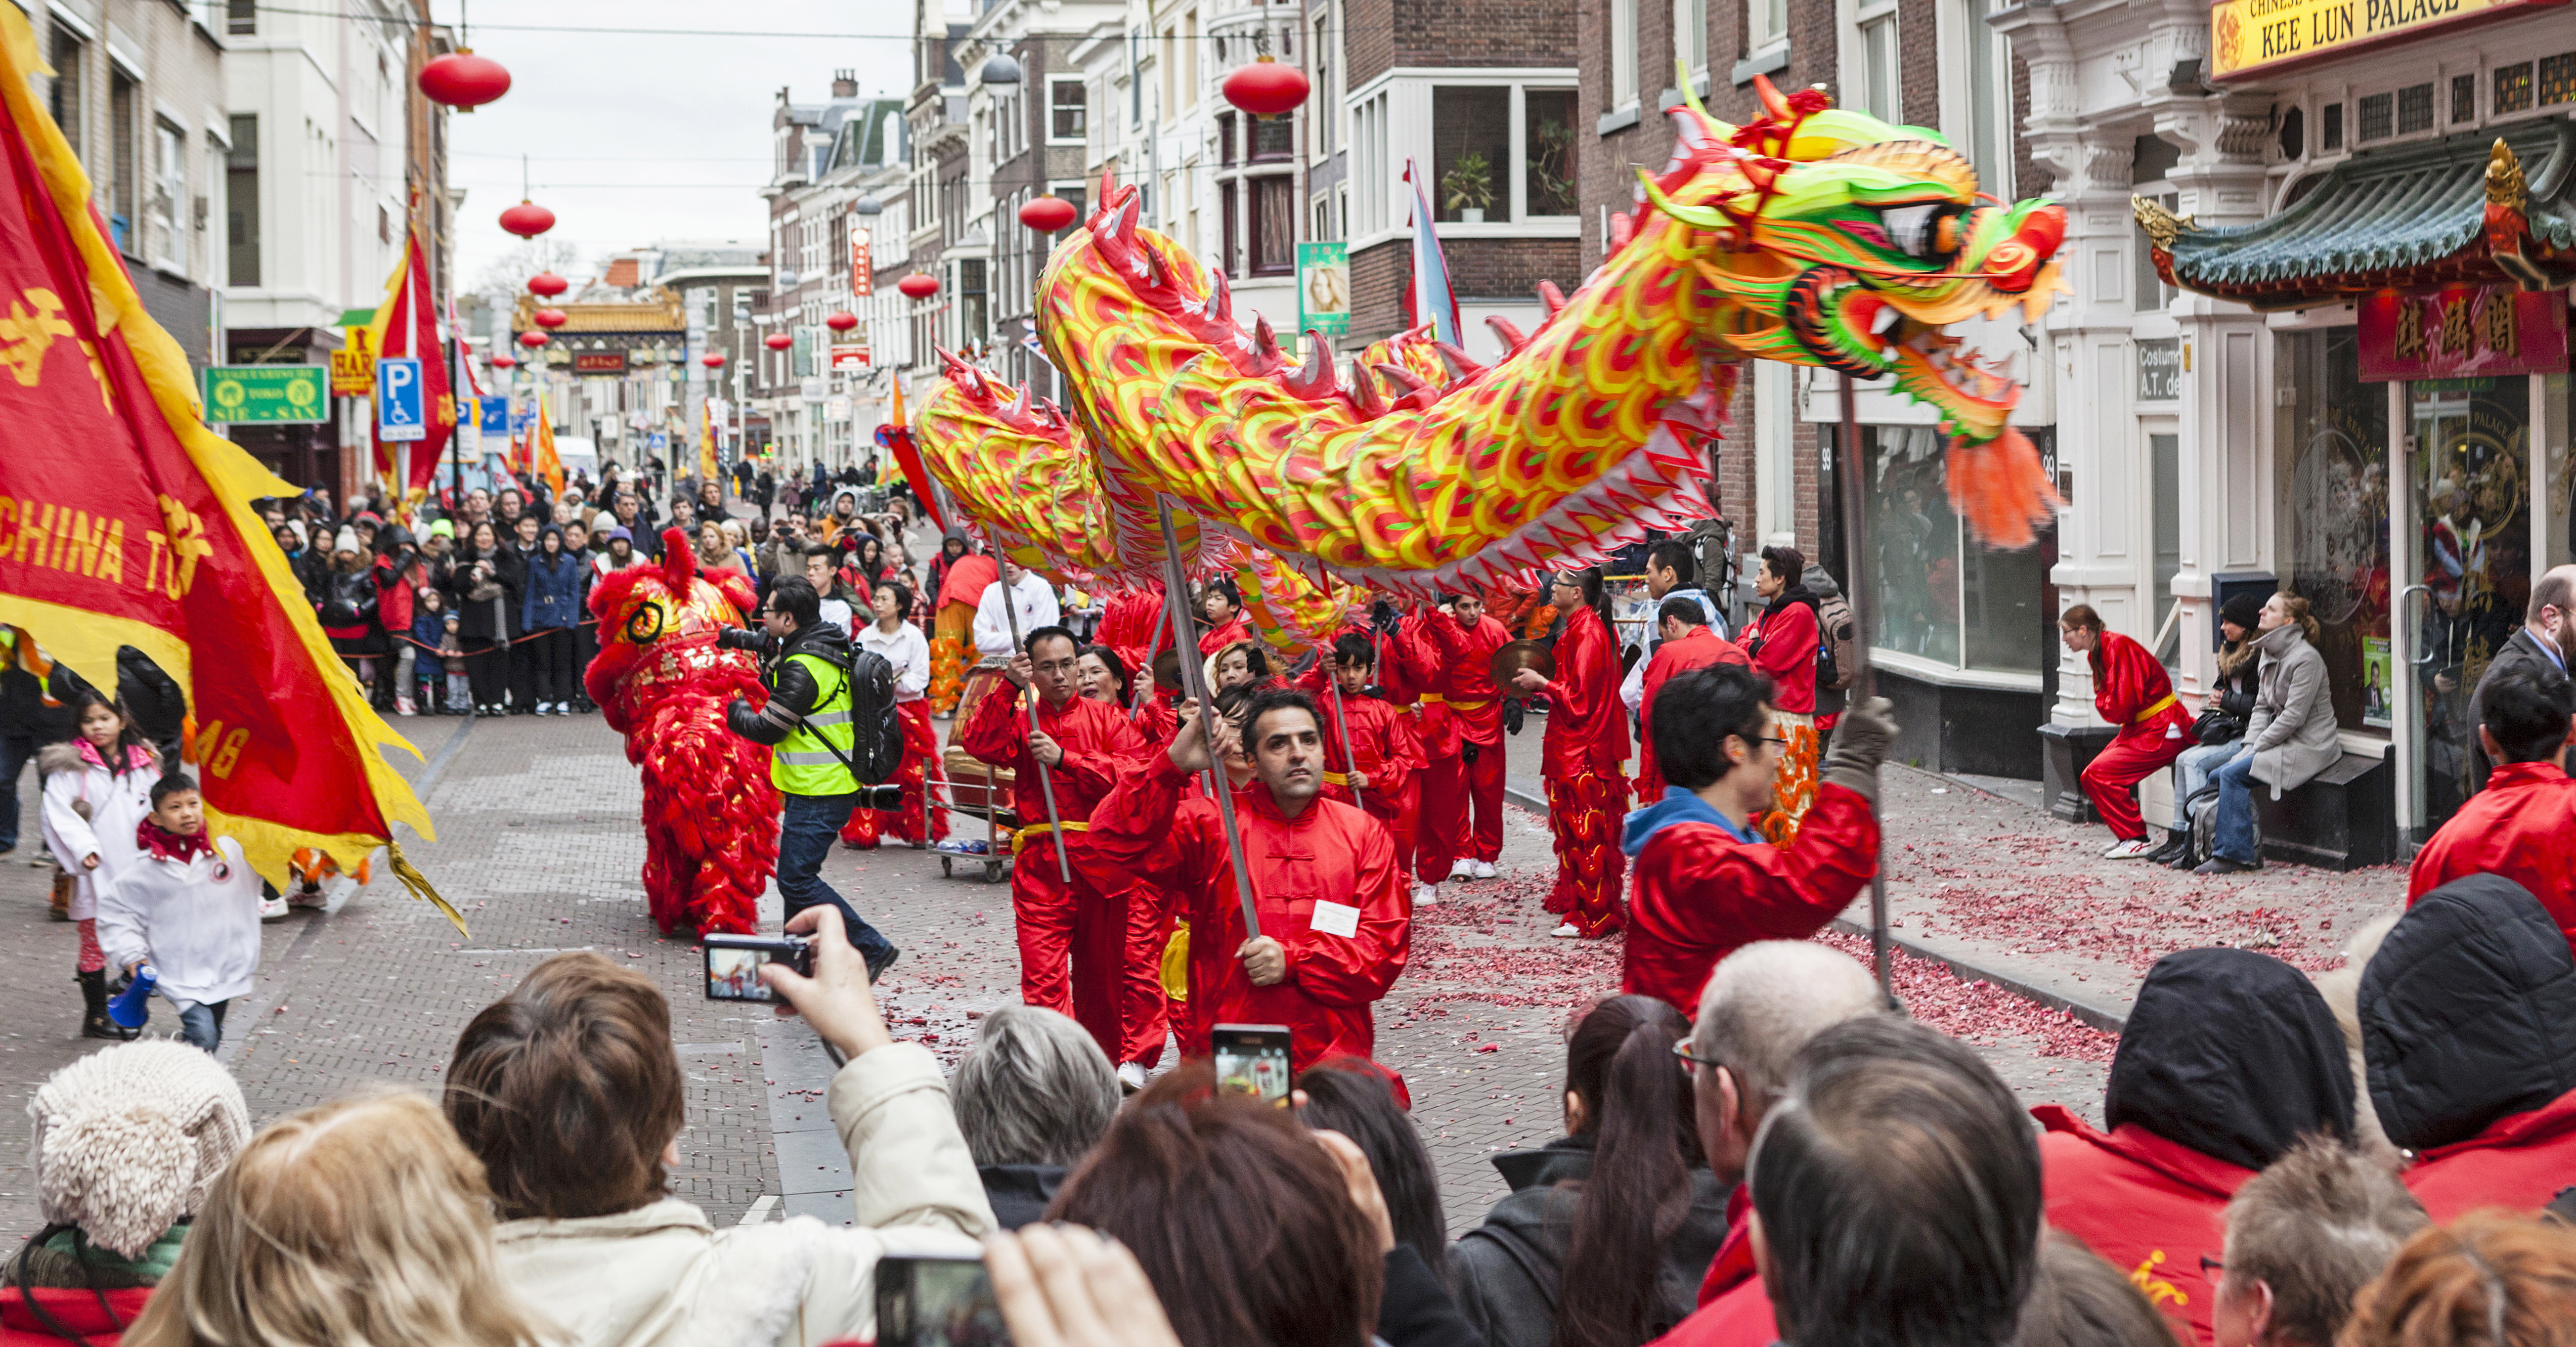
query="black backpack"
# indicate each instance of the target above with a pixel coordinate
(876, 742)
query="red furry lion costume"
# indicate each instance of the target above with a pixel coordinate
(710, 814)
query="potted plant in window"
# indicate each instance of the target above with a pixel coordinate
(1468, 187)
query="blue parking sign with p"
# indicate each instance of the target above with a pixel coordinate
(399, 412)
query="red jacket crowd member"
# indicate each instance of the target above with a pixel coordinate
(1388, 778)
(2466, 1012)
(1222, 608)
(1086, 745)
(1334, 925)
(1129, 619)
(1128, 930)
(1706, 882)
(1467, 777)
(1689, 643)
(1585, 758)
(1782, 645)
(2130, 690)
(2523, 825)
(2228, 1058)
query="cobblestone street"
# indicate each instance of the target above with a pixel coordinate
(538, 846)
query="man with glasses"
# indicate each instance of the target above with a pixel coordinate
(1706, 881)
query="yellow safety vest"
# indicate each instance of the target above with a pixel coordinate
(809, 761)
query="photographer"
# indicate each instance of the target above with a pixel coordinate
(805, 664)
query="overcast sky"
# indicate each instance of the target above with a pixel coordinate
(647, 124)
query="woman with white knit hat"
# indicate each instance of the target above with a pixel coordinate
(127, 1142)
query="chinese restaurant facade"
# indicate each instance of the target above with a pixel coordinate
(2321, 251)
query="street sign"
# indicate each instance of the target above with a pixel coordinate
(266, 393)
(353, 366)
(495, 415)
(849, 357)
(399, 414)
(599, 362)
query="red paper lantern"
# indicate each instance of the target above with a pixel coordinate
(1047, 214)
(550, 317)
(548, 284)
(918, 285)
(505, 360)
(462, 79)
(712, 360)
(532, 340)
(527, 219)
(840, 322)
(1266, 88)
(778, 341)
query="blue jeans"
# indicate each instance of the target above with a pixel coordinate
(2236, 839)
(202, 1025)
(2191, 772)
(15, 752)
(806, 830)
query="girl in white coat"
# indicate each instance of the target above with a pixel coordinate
(98, 785)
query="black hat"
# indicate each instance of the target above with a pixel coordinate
(2242, 609)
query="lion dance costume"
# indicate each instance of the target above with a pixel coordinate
(710, 814)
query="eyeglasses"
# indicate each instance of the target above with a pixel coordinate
(2210, 1268)
(1692, 1063)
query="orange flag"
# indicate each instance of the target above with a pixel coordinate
(124, 521)
(547, 464)
(707, 440)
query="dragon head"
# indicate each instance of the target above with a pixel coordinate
(1841, 241)
(659, 617)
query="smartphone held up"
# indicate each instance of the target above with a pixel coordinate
(733, 963)
(1251, 1059)
(937, 1302)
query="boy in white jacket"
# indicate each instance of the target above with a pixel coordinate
(189, 906)
(97, 786)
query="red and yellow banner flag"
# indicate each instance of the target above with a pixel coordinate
(548, 465)
(407, 325)
(124, 521)
(707, 439)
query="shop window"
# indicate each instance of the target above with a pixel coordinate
(2471, 478)
(2558, 79)
(1274, 226)
(1471, 151)
(1548, 130)
(2464, 98)
(1941, 597)
(2330, 128)
(2333, 470)
(2378, 120)
(2513, 87)
(2414, 109)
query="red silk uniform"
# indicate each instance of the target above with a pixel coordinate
(1090, 917)
(1585, 770)
(2520, 1161)
(1782, 643)
(1383, 741)
(1695, 649)
(2523, 827)
(1329, 865)
(1700, 894)
(2148, 1206)
(2130, 690)
(1128, 620)
(1218, 639)
(1462, 712)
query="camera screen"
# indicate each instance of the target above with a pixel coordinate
(1251, 1063)
(937, 1302)
(734, 974)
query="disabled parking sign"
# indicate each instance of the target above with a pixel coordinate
(399, 415)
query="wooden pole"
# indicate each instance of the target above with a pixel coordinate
(1849, 470)
(1341, 723)
(1141, 681)
(1046, 782)
(1194, 682)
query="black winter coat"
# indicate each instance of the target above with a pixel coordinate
(487, 618)
(1506, 1270)
(2232, 1054)
(2468, 1013)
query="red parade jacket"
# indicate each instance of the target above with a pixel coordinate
(968, 576)
(1128, 619)
(1098, 746)
(1734, 1310)
(1463, 687)
(1782, 643)
(1695, 649)
(1587, 728)
(2521, 1161)
(2523, 827)
(1329, 865)
(1381, 739)
(2150, 1207)
(1698, 894)
(2131, 690)
(1211, 642)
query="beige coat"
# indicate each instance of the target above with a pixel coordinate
(2292, 732)
(661, 1276)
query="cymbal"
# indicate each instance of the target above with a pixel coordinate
(1516, 656)
(1167, 669)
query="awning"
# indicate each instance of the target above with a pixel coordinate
(2483, 208)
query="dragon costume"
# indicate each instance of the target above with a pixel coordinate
(710, 814)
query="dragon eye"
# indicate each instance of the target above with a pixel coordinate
(644, 625)
(1927, 231)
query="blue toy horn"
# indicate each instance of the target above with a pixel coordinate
(134, 1005)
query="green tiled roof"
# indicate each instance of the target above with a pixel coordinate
(2385, 212)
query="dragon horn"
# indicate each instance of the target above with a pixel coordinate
(1019, 408)
(1773, 105)
(1697, 217)
(1220, 298)
(949, 363)
(1315, 378)
(1461, 365)
(679, 560)
(1513, 338)
(1264, 341)
(1690, 96)
(1366, 397)
(1404, 380)
(1551, 297)
(1623, 226)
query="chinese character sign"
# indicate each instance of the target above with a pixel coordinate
(2463, 331)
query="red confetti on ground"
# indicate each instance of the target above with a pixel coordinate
(1979, 1013)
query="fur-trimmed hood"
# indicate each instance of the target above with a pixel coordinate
(74, 755)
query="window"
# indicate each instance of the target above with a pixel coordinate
(1274, 226)
(1988, 137)
(1471, 149)
(384, 225)
(2415, 109)
(241, 17)
(1230, 247)
(1225, 139)
(1169, 58)
(1941, 597)
(124, 181)
(2331, 467)
(1623, 53)
(169, 192)
(2513, 87)
(2377, 121)
(71, 81)
(2558, 79)
(1548, 130)
(1881, 92)
(1690, 36)
(1325, 104)
(1371, 173)
(2330, 134)
(1274, 138)
(1067, 109)
(2464, 98)
(241, 202)
(1323, 228)
(972, 315)
(1190, 58)
(1767, 23)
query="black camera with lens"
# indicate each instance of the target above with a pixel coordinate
(752, 639)
(887, 796)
